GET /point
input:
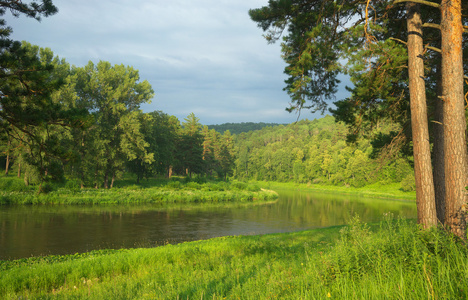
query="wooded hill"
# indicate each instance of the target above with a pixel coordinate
(316, 152)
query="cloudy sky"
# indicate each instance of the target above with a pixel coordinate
(200, 56)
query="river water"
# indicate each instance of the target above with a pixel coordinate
(42, 230)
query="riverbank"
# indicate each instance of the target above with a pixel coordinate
(376, 190)
(391, 260)
(13, 192)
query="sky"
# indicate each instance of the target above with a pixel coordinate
(200, 56)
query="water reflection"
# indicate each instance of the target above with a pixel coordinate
(41, 230)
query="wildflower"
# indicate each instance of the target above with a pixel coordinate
(329, 295)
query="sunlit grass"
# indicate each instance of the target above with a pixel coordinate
(390, 260)
(376, 190)
(128, 192)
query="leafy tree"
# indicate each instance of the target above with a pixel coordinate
(190, 146)
(161, 134)
(226, 155)
(112, 95)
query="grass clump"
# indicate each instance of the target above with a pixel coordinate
(390, 260)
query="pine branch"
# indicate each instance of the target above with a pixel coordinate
(431, 25)
(437, 26)
(434, 49)
(398, 40)
(436, 5)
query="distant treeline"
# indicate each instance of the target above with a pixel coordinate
(237, 128)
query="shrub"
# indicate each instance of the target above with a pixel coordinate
(239, 185)
(408, 184)
(193, 185)
(45, 188)
(174, 185)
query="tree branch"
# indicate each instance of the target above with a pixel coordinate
(434, 49)
(431, 25)
(437, 26)
(436, 5)
(398, 40)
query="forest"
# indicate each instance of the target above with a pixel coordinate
(317, 152)
(107, 134)
(112, 137)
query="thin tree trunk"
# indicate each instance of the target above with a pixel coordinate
(96, 179)
(106, 180)
(454, 117)
(169, 172)
(112, 180)
(19, 170)
(425, 196)
(7, 164)
(438, 150)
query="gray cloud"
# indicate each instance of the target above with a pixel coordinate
(204, 56)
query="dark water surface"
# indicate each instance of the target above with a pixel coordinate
(40, 230)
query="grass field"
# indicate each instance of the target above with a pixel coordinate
(376, 190)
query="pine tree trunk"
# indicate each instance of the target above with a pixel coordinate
(438, 150)
(425, 196)
(454, 117)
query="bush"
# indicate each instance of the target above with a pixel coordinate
(253, 188)
(73, 185)
(193, 185)
(408, 184)
(239, 185)
(13, 184)
(45, 188)
(174, 185)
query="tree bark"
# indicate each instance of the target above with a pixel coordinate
(425, 196)
(454, 117)
(438, 150)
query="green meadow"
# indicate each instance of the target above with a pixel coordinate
(376, 190)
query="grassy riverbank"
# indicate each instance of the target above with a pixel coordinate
(391, 260)
(376, 190)
(13, 191)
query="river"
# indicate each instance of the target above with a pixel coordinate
(42, 230)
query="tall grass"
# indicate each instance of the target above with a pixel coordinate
(390, 260)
